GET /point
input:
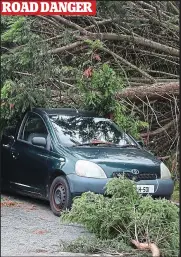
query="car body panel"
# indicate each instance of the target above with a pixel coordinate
(78, 185)
(115, 154)
(30, 167)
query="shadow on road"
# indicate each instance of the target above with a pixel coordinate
(23, 198)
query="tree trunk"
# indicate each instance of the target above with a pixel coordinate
(155, 91)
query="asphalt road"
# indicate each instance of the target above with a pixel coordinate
(29, 228)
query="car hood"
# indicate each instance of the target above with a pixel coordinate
(128, 155)
(119, 159)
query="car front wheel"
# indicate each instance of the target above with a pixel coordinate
(60, 195)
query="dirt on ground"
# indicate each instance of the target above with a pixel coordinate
(29, 228)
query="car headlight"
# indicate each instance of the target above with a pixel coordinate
(165, 173)
(89, 169)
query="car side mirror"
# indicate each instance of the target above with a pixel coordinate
(39, 141)
(140, 143)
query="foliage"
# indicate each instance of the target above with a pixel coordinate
(12, 28)
(21, 69)
(99, 89)
(17, 99)
(95, 245)
(176, 192)
(33, 53)
(126, 215)
(93, 44)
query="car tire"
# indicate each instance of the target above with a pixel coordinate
(60, 195)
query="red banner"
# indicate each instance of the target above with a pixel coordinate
(48, 8)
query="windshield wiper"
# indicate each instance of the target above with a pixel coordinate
(109, 144)
(97, 143)
(128, 145)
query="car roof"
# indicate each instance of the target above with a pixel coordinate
(65, 111)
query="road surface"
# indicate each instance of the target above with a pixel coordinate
(28, 227)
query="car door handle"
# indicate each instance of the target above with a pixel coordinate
(15, 154)
(62, 159)
(6, 146)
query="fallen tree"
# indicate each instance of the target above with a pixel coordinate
(152, 92)
(125, 219)
(140, 42)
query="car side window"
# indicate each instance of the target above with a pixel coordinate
(34, 127)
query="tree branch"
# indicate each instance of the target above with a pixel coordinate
(164, 73)
(98, 23)
(153, 8)
(47, 19)
(154, 20)
(138, 40)
(159, 130)
(116, 37)
(65, 48)
(146, 246)
(70, 24)
(145, 74)
(173, 7)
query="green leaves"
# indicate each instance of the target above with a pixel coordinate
(125, 215)
(13, 27)
(17, 98)
(120, 188)
(93, 44)
(99, 89)
(23, 69)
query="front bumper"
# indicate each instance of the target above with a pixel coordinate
(79, 185)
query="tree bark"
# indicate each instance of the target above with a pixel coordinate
(138, 40)
(65, 48)
(159, 130)
(155, 91)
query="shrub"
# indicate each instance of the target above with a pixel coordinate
(125, 215)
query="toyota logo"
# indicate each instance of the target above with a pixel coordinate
(135, 172)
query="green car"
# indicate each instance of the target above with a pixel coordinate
(57, 154)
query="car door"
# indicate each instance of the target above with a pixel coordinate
(30, 161)
(5, 157)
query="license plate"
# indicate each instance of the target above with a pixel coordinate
(145, 189)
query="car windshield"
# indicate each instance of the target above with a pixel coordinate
(79, 131)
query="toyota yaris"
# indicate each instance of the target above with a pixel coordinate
(57, 154)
